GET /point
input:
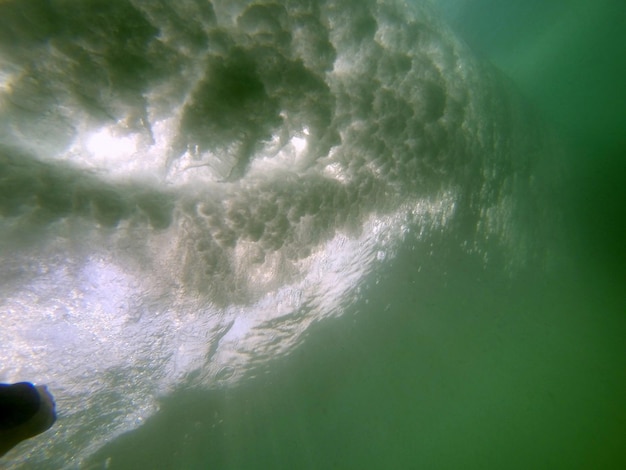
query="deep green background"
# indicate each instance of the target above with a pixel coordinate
(451, 366)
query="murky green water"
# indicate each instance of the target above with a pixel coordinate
(443, 361)
(467, 370)
(464, 371)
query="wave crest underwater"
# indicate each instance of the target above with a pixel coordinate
(187, 186)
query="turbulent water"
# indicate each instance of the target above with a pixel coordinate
(185, 187)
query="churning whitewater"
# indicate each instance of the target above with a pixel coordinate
(186, 186)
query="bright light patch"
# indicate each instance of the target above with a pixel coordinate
(299, 144)
(5, 79)
(108, 148)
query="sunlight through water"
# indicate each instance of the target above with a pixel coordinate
(191, 185)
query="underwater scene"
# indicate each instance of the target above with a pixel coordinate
(315, 234)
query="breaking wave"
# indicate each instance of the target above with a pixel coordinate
(187, 186)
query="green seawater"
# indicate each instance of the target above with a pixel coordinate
(468, 371)
(443, 364)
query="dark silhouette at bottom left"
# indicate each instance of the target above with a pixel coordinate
(26, 410)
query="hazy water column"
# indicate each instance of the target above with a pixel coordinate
(187, 186)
